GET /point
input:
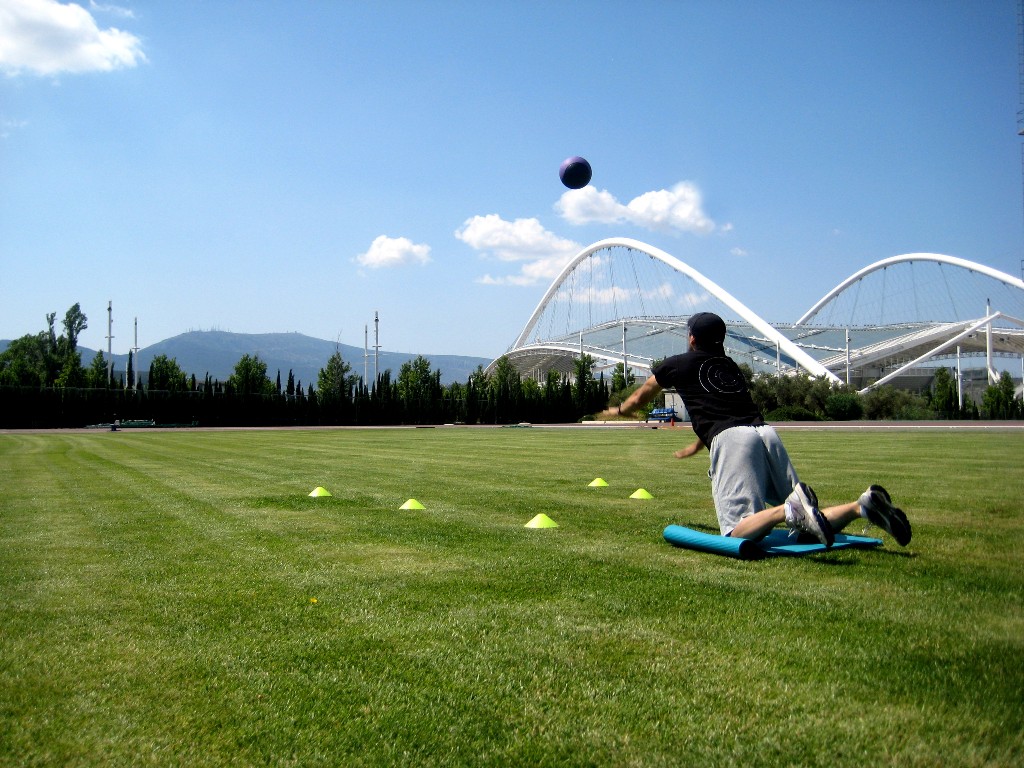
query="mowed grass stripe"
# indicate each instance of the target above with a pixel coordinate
(184, 632)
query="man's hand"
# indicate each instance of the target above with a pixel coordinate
(647, 392)
(691, 450)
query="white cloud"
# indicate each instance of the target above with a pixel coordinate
(520, 280)
(676, 209)
(738, 252)
(116, 10)
(582, 206)
(691, 300)
(45, 37)
(611, 295)
(393, 252)
(518, 240)
(532, 272)
(663, 291)
(545, 253)
(617, 294)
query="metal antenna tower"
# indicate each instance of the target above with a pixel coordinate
(377, 340)
(135, 349)
(110, 338)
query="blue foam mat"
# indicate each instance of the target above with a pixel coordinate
(776, 543)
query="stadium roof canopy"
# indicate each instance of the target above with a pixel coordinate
(623, 301)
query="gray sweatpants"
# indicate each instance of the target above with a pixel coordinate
(750, 471)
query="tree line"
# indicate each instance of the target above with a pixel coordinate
(44, 384)
(801, 398)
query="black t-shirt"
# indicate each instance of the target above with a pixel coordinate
(713, 389)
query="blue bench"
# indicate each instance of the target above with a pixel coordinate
(662, 414)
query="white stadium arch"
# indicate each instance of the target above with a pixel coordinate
(906, 313)
(908, 258)
(805, 360)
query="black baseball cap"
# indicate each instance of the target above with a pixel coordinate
(706, 328)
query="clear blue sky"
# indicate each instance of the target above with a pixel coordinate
(260, 166)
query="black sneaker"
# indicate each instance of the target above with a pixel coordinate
(880, 511)
(803, 516)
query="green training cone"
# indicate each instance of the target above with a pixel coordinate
(319, 491)
(598, 482)
(412, 504)
(541, 521)
(640, 493)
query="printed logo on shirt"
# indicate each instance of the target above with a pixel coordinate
(720, 374)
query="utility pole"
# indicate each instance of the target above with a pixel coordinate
(135, 349)
(110, 338)
(376, 345)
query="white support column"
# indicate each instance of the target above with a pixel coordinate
(625, 363)
(992, 377)
(847, 357)
(959, 380)
(973, 328)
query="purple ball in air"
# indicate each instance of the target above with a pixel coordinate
(575, 173)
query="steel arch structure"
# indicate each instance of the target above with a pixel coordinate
(885, 350)
(938, 258)
(802, 358)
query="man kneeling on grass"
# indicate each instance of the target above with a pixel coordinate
(753, 482)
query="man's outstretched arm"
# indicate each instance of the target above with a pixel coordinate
(691, 450)
(646, 392)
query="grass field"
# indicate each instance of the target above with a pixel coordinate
(178, 599)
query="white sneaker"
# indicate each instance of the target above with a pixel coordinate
(802, 515)
(879, 510)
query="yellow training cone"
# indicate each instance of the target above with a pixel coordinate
(320, 491)
(640, 493)
(541, 521)
(598, 482)
(412, 504)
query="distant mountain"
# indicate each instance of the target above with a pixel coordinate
(217, 352)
